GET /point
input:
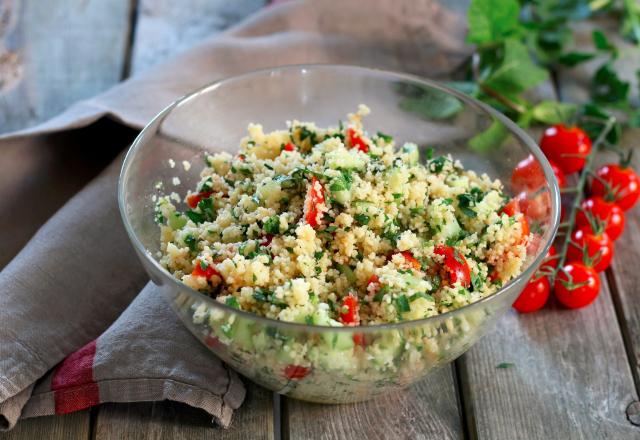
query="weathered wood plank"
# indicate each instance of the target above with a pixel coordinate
(55, 53)
(156, 420)
(427, 409)
(68, 427)
(166, 27)
(570, 377)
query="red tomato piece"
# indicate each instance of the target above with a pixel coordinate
(358, 339)
(266, 240)
(512, 208)
(568, 147)
(534, 296)
(296, 372)
(609, 215)
(194, 199)
(594, 250)
(616, 184)
(455, 264)
(289, 147)
(208, 271)
(355, 141)
(349, 310)
(576, 285)
(410, 260)
(315, 198)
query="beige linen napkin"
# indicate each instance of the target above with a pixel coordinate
(60, 295)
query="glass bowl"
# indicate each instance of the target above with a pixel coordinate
(316, 363)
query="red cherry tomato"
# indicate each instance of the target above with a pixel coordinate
(194, 199)
(315, 198)
(597, 247)
(296, 372)
(349, 310)
(355, 141)
(617, 184)
(608, 214)
(566, 146)
(208, 271)
(528, 175)
(289, 147)
(576, 285)
(534, 296)
(455, 264)
(550, 261)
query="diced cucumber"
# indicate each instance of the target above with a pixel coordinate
(242, 334)
(450, 229)
(270, 193)
(347, 272)
(397, 178)
(176, 220)
(412, 151)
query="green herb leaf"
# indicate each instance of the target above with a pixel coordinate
(402, 303)
(572, 59)
(492, 20)
(232, 301)
(516, 72)
(601, 42)
(362, 219)
(553, 112)
(272, 225)
(492, 138)
(505, 365)
(607, 87)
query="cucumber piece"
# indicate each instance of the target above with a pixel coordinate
(344, 159)
(270, 193)
(242, 334)
(412, 151)
(347, 272)
(397, 178)
(176, 220)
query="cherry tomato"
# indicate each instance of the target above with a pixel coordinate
(315, 197)
(598, 249)
(289, 147)
(535, 207)
(528, 175)
(608, 214)
(349, 310)
(296, 372)
(455, 264)
(207, 271)
(622, 185)
(550, 261)
(576, 285)
(534, 296)
(566, 146)
(355, 141)
(194, 199)
(512, 208)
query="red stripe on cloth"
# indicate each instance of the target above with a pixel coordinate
(72, 382)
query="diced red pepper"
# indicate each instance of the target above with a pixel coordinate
(315, 198)
(296, 372)
(349, 310)
(455, 264)
(194, 199)
(289, 147)
(211, 341)
(355, 141)
(207, 272)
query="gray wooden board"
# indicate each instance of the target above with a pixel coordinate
(159, 420)
(165, 27)
(427, 409)
(68, 427)
(56, 53)
(570, 377)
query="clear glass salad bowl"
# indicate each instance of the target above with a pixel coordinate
(317, 363)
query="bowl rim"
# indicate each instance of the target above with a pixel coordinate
(513, 128)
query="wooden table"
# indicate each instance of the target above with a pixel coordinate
(576, 374)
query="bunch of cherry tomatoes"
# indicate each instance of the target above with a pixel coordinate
(598, 223)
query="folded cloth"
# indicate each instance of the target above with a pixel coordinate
(61, 294)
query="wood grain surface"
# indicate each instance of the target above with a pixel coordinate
(428, 409)
(52, 56)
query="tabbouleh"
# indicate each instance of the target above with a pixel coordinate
(338, 226)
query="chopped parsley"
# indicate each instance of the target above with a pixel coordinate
(272, 225)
